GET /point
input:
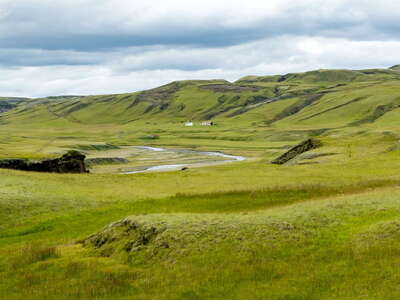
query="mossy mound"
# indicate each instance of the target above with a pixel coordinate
(171, 237)
(140, 238)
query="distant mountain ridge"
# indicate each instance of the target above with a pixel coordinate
(330, 98)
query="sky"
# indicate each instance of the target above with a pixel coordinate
(86, 47)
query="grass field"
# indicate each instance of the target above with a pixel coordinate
(324, 226)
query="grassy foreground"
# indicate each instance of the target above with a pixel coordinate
(257, 232)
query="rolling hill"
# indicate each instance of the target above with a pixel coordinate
(329, 98)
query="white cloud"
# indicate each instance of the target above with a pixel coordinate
(127, 73)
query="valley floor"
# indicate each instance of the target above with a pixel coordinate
(324, 226)
(249, 230)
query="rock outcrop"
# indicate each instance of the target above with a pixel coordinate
(305, 146)
(71, 162)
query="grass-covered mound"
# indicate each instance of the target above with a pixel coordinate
(161, 237)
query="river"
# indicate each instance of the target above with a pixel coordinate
(230, 159)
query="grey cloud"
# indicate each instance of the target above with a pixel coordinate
(38, 57)
(123, 73)
(110, 46)
(88, 26)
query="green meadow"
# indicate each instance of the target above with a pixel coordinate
(325, 225)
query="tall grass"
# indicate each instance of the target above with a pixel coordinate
(249, 200)
(32, 253)
(336, 248)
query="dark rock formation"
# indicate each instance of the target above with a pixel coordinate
(71, 162)
(305, 146)
(16, 164)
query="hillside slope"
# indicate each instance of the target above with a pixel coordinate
(327, 98)
(9, 103)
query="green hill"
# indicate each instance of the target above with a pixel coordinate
(324, 97)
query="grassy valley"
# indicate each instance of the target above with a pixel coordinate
(325, 225)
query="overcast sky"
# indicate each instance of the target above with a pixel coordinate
(56, 47)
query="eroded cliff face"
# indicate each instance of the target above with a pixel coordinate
(71, 162)
(305, 146)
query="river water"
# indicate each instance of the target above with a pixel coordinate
(230, 159)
